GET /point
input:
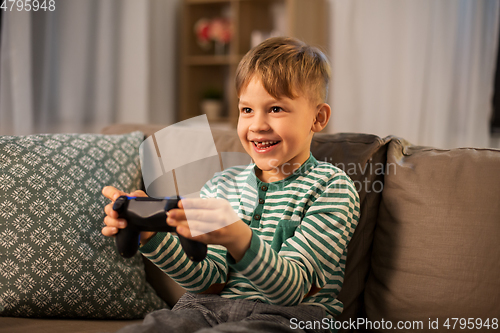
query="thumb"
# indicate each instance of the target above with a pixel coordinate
(112, 193)
(138, 193)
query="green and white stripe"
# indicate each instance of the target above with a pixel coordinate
(300, 240)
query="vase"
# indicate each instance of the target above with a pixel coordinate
(212, 108)
(220, 48)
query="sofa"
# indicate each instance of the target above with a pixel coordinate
(425, 255)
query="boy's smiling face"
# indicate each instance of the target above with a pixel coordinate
(277, 133)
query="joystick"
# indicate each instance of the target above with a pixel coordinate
(148, 214)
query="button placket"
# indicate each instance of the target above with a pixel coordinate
(257, 214)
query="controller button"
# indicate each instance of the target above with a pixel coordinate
(119, 203)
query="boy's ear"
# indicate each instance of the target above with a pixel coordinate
(322, 117)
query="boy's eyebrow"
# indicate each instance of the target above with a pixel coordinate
(273, 100)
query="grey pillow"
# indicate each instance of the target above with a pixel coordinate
(54, 261)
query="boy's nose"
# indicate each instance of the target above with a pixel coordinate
(259, 123)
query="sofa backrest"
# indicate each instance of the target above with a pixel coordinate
(362, 157)
(436, 247)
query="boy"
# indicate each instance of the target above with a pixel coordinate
(280, 265)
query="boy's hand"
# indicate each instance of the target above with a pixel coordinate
(113, 223)
(211, 221)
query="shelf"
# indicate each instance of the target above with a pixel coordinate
(202, 69)
(207, 60)
(197, 2)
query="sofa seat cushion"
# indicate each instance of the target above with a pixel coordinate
(436, 248)
(54, 261)
(23, 325)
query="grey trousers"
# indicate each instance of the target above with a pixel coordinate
(212, 313)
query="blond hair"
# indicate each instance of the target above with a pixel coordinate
(286, 67)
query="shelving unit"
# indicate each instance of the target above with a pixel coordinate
(203, 69)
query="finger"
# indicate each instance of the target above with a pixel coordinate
(174, 222)
(112, 193)
(183, 231)
(108, 209)
(209, 216)
(197, 227)
(116, 223)
(191, 214)
(109, 231)
(180, 225)
(192, 229)
(177, 214)
(186, 233)
(198, 203)
(194, 214)
(212, 217)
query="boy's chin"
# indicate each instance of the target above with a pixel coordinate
(264, 168)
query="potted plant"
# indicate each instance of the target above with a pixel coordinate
(212, 103)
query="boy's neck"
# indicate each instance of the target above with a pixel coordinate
(274, 176)
(265, 176)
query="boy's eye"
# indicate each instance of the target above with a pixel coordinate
(246, 110)
(276, 109)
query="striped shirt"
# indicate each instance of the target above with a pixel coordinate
(301, 227)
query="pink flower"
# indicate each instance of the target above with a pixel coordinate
(202, 31)
(219, 30)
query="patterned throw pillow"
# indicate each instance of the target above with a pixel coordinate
(54, 261)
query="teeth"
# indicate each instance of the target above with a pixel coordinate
(264, 144)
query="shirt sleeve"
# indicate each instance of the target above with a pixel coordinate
(166, 252)
(311, 259)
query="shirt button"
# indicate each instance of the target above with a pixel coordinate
(263, 188)
(261, 201)
(256, 217)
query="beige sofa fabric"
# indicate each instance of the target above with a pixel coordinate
(435, 251)
(28, 325)
(225, 141)
(435, 231)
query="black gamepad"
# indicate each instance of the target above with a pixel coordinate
(148, 214)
